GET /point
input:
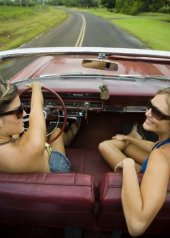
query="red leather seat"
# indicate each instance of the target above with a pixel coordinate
(58, 200)
(87, 198)
(111, 215)
(88, 161)
(47, 200)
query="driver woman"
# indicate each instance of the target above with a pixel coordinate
(28, 153)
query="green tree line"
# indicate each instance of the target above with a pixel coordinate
(136, 6)
(131, 7)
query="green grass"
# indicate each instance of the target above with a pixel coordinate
(154, 33)
(13, 13)
(153, 29)
(21, 24)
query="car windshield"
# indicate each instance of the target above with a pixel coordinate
(85, 62)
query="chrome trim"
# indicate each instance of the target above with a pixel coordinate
(135, 109)
(83, 50)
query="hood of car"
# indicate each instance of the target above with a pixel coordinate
(88, 64)
(119, 71)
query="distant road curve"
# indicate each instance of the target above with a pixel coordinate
(80, 29)
(85, 29)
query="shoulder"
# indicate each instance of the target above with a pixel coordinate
(159, 159)
(9, 157)
(157, 173)
(18, 156)
(164, 152)
(158, 154)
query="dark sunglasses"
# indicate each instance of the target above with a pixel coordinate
(156, 113)
(18, 112)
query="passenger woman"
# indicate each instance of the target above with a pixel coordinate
(29, 152)
(131, 154)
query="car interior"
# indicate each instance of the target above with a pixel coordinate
(85, 202)
(88, 198)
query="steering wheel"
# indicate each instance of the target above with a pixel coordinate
(47, 111)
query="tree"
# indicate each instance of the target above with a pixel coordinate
(110, 4)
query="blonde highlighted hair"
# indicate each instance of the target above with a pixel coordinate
(8, 93)
(165, 91)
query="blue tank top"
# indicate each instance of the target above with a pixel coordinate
(144, 165)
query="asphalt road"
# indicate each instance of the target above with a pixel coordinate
(80, 29)
(84, 29)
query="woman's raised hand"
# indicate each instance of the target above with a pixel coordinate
(34, 84)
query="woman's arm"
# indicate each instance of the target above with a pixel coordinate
(37, 129)
(37, 124)
(33, 140)
(142, 203)
(143, 144)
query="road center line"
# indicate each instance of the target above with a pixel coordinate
(82, 32)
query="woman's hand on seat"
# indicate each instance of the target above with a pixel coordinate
(120, 164)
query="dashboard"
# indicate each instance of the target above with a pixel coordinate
(78, 104)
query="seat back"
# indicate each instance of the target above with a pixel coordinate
(87, 161)
(111, 214)
(48, 200)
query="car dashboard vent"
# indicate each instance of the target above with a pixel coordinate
(69, 95)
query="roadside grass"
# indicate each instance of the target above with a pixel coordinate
(153, 29)
(21, 24)
(154, 33)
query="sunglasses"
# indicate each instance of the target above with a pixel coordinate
(156, 113)
(18, 112)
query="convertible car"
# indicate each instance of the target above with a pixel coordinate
(105, 91)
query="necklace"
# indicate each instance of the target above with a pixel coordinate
(9, 141)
